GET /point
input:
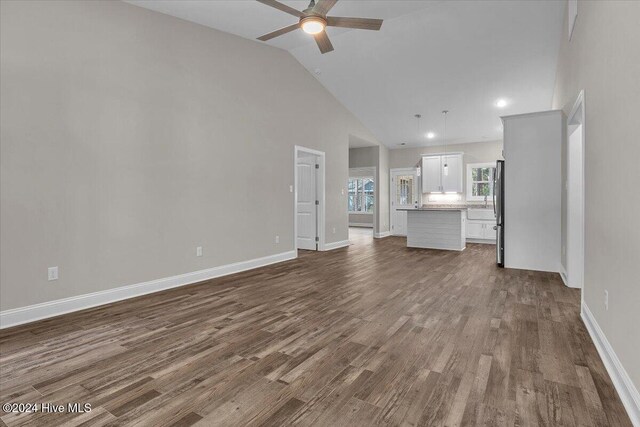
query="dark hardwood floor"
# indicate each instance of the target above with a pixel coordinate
(370, 334)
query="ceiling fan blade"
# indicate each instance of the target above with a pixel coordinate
(279, 32)
(323, 7)
(323, 42)
(359, 23)
(282, 7)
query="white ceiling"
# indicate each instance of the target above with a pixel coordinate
(429, 56)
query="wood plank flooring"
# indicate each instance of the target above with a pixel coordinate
(372, 334)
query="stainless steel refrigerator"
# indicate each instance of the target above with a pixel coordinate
(498, 210)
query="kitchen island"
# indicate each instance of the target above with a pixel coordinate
(436, 228)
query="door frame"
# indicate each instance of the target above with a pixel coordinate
(576, 119)
(391, 190)
(320, 192)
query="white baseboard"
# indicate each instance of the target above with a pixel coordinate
(336, 245)
(563, 276)
(382, 235)
(19, 316)
(361, 224)
(623, 384)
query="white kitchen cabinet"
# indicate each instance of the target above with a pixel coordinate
(434, 180)
(481, 230)
(475, 229)
(431, 174)
(452, 180)
(490, 232)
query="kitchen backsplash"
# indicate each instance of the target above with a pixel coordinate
(452, 200)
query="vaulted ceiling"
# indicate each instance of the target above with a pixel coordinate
(462, 56)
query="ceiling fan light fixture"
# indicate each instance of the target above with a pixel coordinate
(313, 24)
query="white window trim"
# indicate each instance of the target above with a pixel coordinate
(374, 194)
(470, 182)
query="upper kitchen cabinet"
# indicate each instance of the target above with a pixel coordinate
(452, 174)
(431, 174)
(436, 178)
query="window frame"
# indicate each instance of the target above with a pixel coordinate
(361, 194)
(470, 182)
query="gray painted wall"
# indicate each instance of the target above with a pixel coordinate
(130, 137)
(361, 219)
(363, 157)
(603, 58)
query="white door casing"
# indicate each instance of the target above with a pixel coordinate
(404, 195)
(574, 210)
(575, 195)
(307, 209)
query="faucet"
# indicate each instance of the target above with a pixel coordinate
(485, 202)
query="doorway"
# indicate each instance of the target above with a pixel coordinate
(361, 203)
(404, 195)
(309, 211)
(575, 194)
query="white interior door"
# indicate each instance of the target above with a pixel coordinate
(307, 208)
(575, 217)
(404, 195)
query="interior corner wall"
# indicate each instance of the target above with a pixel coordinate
(129, 138)
(603, 58)
(382, 218)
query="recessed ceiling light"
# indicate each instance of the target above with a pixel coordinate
(431, 135)
(501, 103)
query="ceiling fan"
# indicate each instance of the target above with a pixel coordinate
(313, 20)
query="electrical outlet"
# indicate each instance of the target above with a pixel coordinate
(606, 300)
(199, 251)
(277, 239)
(334, 230)
(52, 273)
(342, 191)
(291, 189)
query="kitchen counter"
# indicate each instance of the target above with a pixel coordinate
(432, 209)
(436, 228)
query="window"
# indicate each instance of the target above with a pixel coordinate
(404, 190)
(361, 196)
(480, 180)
